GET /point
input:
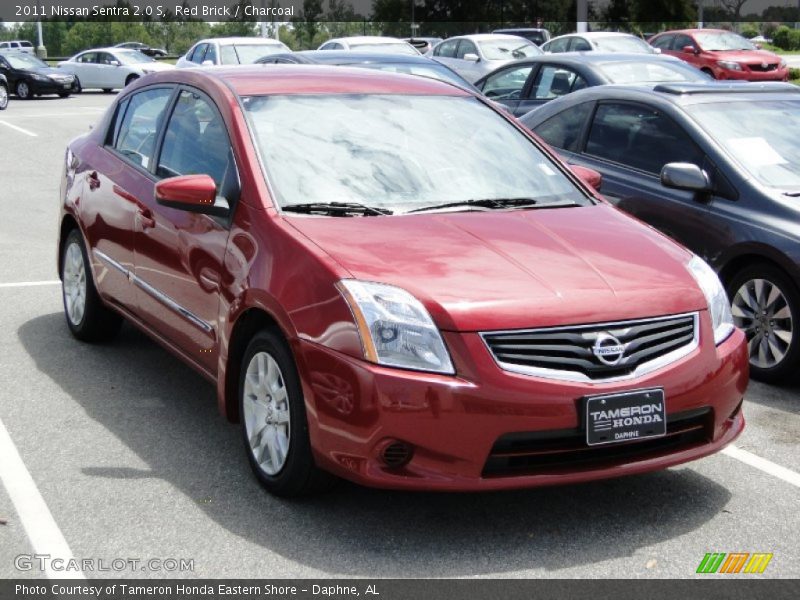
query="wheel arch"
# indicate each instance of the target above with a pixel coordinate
(68, 223)
(757, 254)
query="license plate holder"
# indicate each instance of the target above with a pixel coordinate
(624, 417)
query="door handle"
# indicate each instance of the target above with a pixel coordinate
(146, 218)
(93, 180)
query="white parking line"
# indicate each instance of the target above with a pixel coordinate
(42, 530)
(762, 464)
(30, 283)
(20, 129)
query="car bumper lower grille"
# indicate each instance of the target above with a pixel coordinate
(601, 352)
(547, 451)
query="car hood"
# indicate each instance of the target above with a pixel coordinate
(46, 71)
(747, 56)
(509, 269)
(155, 66)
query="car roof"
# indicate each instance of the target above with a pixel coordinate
(370, 39)
(309, 79)
(598, 34)
(693, 31)
(240, 40)
(340, 56)
(486, 36)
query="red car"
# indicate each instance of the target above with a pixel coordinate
(478, 320)
(722, 54)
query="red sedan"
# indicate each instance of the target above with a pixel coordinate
(480, 319)
(722, 54)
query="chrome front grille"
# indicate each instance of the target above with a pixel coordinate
(600, 352)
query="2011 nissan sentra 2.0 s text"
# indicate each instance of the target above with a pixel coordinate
(477, 319)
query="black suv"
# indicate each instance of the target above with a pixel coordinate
(715, 166)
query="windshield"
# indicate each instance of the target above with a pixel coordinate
(24, 61)
(762, 136)
(246, 54)
(388, 48)
(649, 72)
(365, 149)
(439, 72)
(508, 49)
(133, 58)
(623, 43)
(722, 41)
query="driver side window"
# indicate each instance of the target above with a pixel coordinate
(136, 136)
(508, 84)
(196, 142)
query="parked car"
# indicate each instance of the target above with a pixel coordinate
(599, 41)
(370, 43)
(28, 76)
(473, 56)
(369, 314)
(423, 44)
(722, 54)
(17, 46)
(3, 92)
(143, 48)
(230, 51)
(716, 167)
(393, 63)
(537, 35)
(109, 69)
(526, 84)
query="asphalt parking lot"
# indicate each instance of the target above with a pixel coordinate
(131, 459)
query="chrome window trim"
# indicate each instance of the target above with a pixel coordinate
(573, 376)
(155, 293)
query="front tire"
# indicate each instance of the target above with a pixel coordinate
(273, 419)
(76, 86)
(766, 304)
(107, 90)
(23, 91)
(87, 317)
(131, 79)
(3, 97)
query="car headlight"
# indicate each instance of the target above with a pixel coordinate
(730, 65)
(38, 77)
(396, 330)
(718, 305)
(783, 64)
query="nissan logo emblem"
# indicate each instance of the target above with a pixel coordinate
(608, 349)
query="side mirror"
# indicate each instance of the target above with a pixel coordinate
(114, 63)
(685, 176)
(689, 50)
(192, 193)
(471, 57)
(588, 176)
(656, 50)
(207, 63)
(759, 47)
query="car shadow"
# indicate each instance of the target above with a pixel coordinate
(784, 397)
(156, 406)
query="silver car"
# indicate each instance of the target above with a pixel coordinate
(473, 56)
(599, 41)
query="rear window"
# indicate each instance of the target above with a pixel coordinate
(647, 72)
(246, 54)
(508, 49)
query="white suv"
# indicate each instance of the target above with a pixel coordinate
(18, 45)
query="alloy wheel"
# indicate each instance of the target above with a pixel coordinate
(23, 91)
(266, 413)
(74, 284)
(762, 310)
(3, 97)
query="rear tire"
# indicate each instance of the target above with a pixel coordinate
(765, 303)
(273, 420)
(64, 94)
(107, 90)
(87, 317)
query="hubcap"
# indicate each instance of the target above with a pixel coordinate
(3, 97)
(22, 90)
(762, 310)
(266, 413)
(74, 284)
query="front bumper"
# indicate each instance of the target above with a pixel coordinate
(51, 87)
(355, 409)
(748, 75)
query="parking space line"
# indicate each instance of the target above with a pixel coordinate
(30, 283)
(20, 129)
(762, 464)
(36, 518)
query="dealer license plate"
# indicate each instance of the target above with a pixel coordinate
(635, 415)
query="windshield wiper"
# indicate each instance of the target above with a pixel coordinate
(497, 203)
(792, 194)
(337, 208)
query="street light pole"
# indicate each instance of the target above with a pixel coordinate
(582, 16)
(41, 51)
(700, 19)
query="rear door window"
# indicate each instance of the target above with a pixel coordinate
(446, 49)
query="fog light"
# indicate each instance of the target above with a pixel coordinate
(397, 454)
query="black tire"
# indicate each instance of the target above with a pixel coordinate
(107, 90)
(708, 72)
(76, 86)
(23, 90)
(131, 79)
(299, 475)
(97, 323)
(3, 97)
(64, 94)
(773, 323)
